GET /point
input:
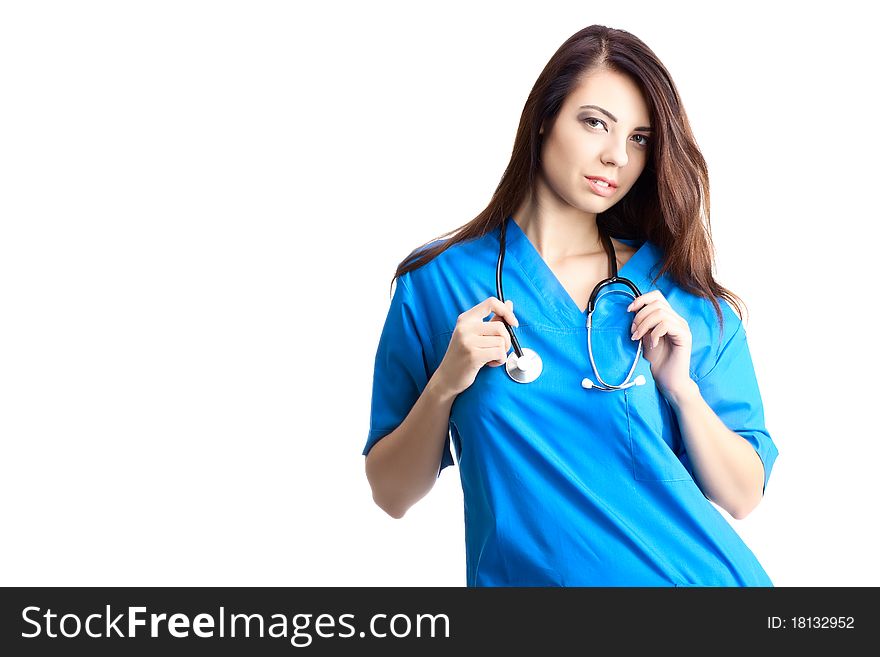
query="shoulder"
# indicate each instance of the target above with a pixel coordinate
(708, 335)
(456, 279)
(699, 311)
(457, 262)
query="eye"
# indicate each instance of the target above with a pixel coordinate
(645, 140)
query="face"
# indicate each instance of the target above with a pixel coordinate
(587, 141)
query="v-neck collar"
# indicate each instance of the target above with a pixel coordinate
(638, 269)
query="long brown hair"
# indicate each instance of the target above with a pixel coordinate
(669, 203)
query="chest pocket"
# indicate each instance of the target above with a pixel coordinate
(654, 435)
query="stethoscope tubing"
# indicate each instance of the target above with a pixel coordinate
(499, 288)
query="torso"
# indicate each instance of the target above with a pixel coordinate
(579, 275)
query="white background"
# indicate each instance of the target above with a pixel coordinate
(203, 204)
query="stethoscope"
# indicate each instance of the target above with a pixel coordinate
(525, 365)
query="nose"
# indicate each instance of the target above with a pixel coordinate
(615, 153)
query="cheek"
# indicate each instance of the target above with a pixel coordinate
(564, 155)
(558, 167)
(632, 176)
(626, 187)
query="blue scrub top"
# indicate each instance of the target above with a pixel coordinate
(565, 486)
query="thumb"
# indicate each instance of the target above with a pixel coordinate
(509, 304)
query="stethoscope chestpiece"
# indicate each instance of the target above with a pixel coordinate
(525, 369)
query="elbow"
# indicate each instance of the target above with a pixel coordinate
(751, 497)
(395, 512)
(743, 511)
(739, 514)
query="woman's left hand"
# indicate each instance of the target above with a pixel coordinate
(666, 341)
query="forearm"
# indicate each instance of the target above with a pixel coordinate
(726, 467)
(403, 466)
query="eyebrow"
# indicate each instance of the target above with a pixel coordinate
(643, 128)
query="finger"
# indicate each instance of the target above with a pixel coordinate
(501, 319)
(637, 303)
(490, 341)
(659, 331)
(676, 329)
(649, 320)
(509, 305)
(489, 306)
(495, 328)
(657, 305)
(648, 317)
(643, 315)
(491, 355)
(645, 299)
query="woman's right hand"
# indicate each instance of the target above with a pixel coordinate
(475, 343)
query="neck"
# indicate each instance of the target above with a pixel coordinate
(559, 234)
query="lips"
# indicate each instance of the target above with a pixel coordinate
(599, 189)
(611, 183)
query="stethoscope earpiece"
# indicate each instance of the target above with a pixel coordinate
(638, 381)
(525, 365)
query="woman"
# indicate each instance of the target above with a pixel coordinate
(565, 482)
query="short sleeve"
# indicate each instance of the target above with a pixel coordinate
(401, 369)
(730, 388)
